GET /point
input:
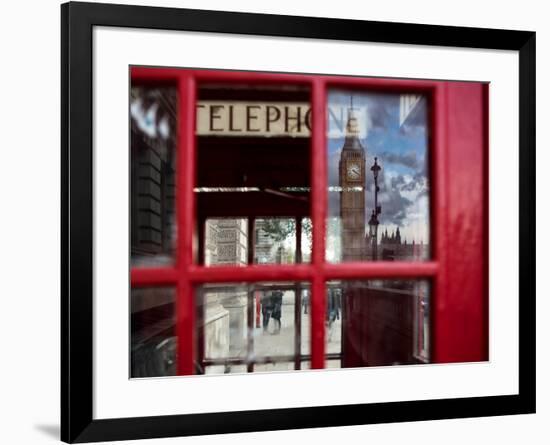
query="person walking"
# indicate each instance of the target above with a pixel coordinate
(305, 300)
(267, 308)
(277, 298)
(333, 306)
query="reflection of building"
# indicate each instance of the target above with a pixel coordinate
(225, 243)
(393, 248)
(352, 195)
(152, 177)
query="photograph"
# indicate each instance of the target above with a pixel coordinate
(253, 199)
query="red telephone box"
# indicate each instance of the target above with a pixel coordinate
(252, 155)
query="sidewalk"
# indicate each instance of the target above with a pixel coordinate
(270, 344)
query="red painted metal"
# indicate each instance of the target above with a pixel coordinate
(141, 74)
(459, 321)
(185, 213)
(185, 328)
(249, 274)
(152, 74)
(439, 198)
(460, 316)
(306, 272)
(380, 269)
(485, 256)
(318, 219)
(141, 276)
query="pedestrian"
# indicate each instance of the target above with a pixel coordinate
(332, 307)
(338, 302)
(277, 309)
(305, 300)
(267, 308)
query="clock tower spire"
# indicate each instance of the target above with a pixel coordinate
(352, 194)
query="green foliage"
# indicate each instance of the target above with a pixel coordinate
(306, 228)
(278, 229)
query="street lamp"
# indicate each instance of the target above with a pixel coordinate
(373, 221)
(373, 231)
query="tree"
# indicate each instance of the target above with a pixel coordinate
(280, 229)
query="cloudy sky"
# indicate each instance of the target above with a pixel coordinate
(402, 153)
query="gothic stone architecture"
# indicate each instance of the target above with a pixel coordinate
(352, 195)
(393, 248)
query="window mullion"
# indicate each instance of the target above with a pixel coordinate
(440, 199)
(185, 212)
(318, 216)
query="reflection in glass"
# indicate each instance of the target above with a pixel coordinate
(378, 177)
(377, 322)
(251, 328)
(226, 242)
(275, 241)
(333, 322)
(153, 341)
(152, 174)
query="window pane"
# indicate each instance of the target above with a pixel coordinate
(377, 323)
(226, 242)
(250, 328)
(333, 322)
(306, 240)
(378, 179)
(253, 163)
(153, 341)
(275, 241)
(153, 126)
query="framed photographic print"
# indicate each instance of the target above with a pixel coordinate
(275, 222)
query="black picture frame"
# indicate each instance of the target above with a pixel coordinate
(77, 22)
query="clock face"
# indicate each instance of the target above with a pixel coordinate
(353, 171)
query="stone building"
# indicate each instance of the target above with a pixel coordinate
(225, 312)
(392, 247)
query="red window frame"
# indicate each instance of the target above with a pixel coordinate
(458, 203)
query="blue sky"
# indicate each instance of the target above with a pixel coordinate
(402, 152)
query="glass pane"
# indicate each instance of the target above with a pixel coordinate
(378, 181)
(250, 328)
(306, 240)
(275, 241)
(377, 323)
(153, 341)
(153, 124)
(333, 321)
(253, 154)
(305, 321)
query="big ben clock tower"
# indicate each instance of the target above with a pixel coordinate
(352, 196)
